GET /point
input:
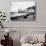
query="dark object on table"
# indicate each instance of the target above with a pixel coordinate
(44, 44)
(8, 41)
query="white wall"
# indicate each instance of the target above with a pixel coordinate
(40, 17)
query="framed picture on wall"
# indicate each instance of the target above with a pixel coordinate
(23, 11)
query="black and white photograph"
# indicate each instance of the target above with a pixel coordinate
(23, 11)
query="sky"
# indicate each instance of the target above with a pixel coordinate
(20, 5)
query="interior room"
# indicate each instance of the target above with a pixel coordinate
(14, 37)
(22, 23)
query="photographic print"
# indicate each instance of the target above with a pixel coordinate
(23, 11)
